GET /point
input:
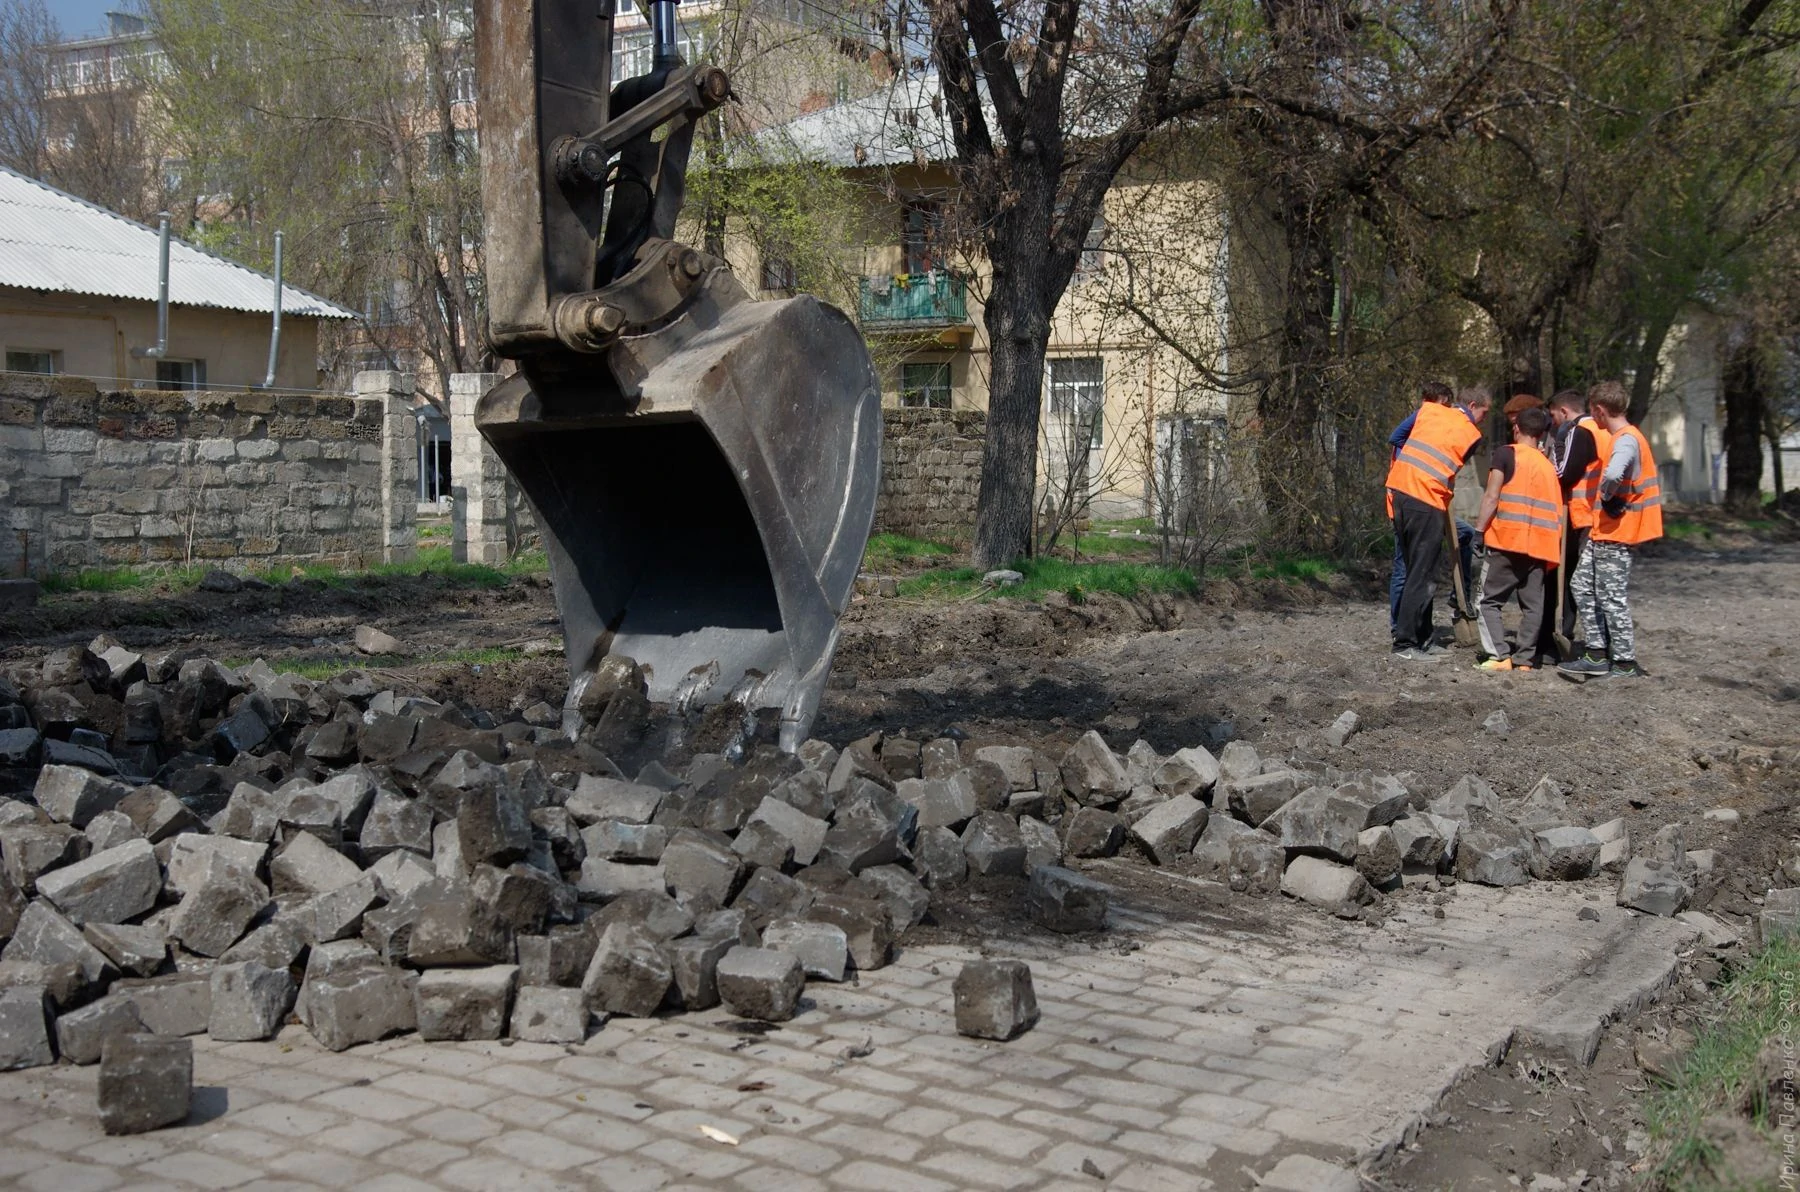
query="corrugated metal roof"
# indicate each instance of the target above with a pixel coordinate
(54, 241)
(891, 126)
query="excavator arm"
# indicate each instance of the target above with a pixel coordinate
(703, 466)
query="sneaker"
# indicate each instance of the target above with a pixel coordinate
(1417, 654)
(1525, 666)
(1588, 666)
(1495, 665)
(1625, 668)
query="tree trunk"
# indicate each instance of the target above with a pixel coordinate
(1644, 368)
(1018, 330)
(1296, 492)
(1745, 405)
(1521, 346)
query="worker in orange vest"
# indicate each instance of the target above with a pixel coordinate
(1627, 513)
(1577, 447)
(1419, 484)
(1521, 522)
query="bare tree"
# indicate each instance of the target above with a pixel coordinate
(27, 30)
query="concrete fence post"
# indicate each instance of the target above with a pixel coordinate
(399, 461)
(481, 528)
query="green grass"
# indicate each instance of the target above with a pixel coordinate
(886, 551)
(1716, 1075)
(1044, 576)
(1124, 544)
(1143, 525)
(318, 669)
(1682, 530)
(121, 578)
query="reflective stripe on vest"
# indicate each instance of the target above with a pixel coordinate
(1426, 466)
(1642, 519)
(1528, 518)
(1586, 493)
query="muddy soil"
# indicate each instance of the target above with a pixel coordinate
(1716, 726)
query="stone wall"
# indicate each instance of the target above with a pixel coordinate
(930, 473)
(103, 479)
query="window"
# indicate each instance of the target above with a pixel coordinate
(778, 273)
(633, 52)
(921, 236)
(33, 360)
(925, 386)
(1092, 262)
(462, 83)
(1078, 393)
(180, 374)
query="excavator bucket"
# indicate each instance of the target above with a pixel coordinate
(703, 466)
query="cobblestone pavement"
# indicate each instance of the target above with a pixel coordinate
(1170, 1055)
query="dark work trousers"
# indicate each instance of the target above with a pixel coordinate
(1419, 529)
(1503, 575)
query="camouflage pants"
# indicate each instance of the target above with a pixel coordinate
(1598, 587)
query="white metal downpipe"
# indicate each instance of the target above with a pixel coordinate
(162, 294)
(275, 326)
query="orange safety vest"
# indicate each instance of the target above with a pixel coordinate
(1642, 519)
(1528, 520)
(1426, 467)
(1586, 493)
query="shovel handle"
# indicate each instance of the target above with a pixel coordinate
(1456, 575)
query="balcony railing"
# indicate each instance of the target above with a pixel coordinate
(921, 300)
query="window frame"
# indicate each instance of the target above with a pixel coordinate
(1078, 399)
(921, 396)
(196, 374)
(51, 356)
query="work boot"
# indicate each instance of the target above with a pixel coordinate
(1588, 666)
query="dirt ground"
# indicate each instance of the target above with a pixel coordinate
(1716, 726)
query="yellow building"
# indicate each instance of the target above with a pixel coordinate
(1123, 410)
(79, 290)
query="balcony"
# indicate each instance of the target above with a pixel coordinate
(921, 301)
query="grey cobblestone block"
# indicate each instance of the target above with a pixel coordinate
(994, 999)
(138, 951)
(760, 983)
(694, 963)
(543, 1014)
(464, 1003)
(44, 937)
(308, 865)
(823, 949)
(1169, 829)
(71, 795)
(249, 1001)
(866, 926)
(1565, 854)
(359, 1004)
(112, 886)
(81, 1032)
(146, 1082)
(993, 845)
(216, 912)
(178, 1004)
(630, 972)
(25, 1040)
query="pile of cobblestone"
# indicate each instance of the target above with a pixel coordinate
(190, 847)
